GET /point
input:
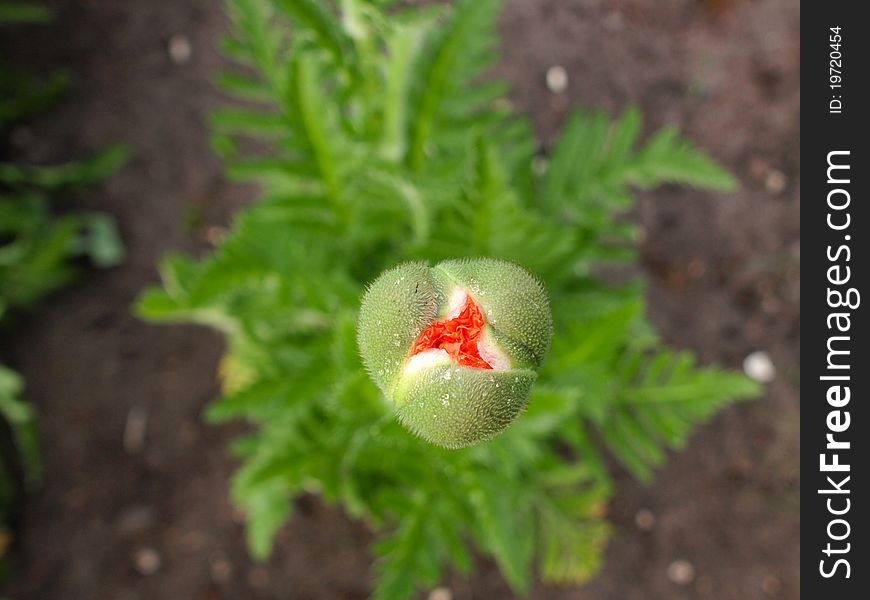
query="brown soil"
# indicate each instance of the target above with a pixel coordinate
(723, 280)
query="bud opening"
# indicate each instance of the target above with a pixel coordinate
(457, 336)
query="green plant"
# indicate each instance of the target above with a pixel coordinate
(384, 145)
(40, 251)
(39, 247)
(23, 12)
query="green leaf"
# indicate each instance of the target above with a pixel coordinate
(22, 95)
(243, 87)
(259, 40)
(402, 563)
(440, 69)
(100, 240)
(156, 305)
(268, 509)
(312, 114)
(669, 159)
(577, 159)
(19, 12)
(316, 18)
(247, 121)
(504, 525)
(594, 160)
(660, 404)
(572, 544)
(405, 42)
(92, 170)
(21, 419)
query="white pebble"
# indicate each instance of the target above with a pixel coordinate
(758, 366)
(775, 182)
(681, 572)
(147, 561)
(644, 519)
(441, 593)
(557, 79)
(179, 49)
(134, 429)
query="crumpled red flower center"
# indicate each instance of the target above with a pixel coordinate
(457, 336)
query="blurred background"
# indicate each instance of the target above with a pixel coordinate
(134, 499)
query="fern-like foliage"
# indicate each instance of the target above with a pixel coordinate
(376, 140)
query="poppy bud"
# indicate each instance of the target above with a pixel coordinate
(455, 347)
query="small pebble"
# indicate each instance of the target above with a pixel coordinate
(179, 49)
(134, 430)
(644, 519)
(220, 568)
(681, 572)
(775, 182)
(758, 367)
(147, 561)
(441, 593)
(557, 79)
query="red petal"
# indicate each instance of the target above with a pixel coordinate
(457, 336)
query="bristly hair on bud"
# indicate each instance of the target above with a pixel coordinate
(455, 347)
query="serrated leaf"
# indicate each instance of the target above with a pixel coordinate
(316, 18)
(402, 563)
(470, 20)
(268, 508)
(91, 170)
(668, 159)
(504, 529)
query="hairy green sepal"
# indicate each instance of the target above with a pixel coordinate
(446, 403)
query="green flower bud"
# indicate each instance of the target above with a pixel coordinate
(455, 347)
